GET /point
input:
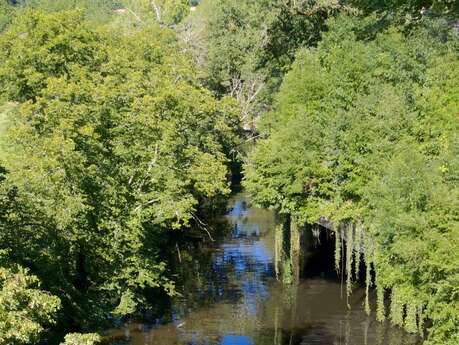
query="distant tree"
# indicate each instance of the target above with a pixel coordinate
(164, 12)
(245, 47)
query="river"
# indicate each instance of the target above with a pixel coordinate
(231, 295)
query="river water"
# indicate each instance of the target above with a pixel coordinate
(230, 295)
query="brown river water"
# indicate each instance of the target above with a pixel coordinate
(230, 295)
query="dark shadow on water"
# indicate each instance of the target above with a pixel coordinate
(318, 253)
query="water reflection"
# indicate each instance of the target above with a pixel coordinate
(230, 296)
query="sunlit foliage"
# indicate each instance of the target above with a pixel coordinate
(24, 309)
(366, 132)
(81, 339)
(113, 144)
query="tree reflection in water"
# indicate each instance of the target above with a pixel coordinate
(230, 294)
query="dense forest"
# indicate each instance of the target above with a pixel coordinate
(125, 123)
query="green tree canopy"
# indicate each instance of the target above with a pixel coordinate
(113, 144)
(366, 131)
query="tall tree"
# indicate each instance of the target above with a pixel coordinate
(114, 143)
(364, 132)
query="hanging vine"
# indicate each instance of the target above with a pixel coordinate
(357, 249)
(295, 252)
(294, 235)
(278, 250)
(368, 258)
(380, 307)
(421, 320)
(402, 311)
(396, 307)
(411, 324)
(337, 249)
(349, 257)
